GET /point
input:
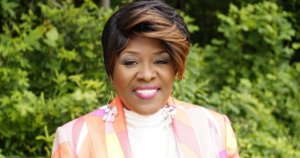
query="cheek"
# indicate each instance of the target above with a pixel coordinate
(120, 86)
(172, 72)
(168, 76)
(117, 80)
(121, 78)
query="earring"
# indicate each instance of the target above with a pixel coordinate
(110, 111)
(169, 112)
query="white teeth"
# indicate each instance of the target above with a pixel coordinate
(147, 91)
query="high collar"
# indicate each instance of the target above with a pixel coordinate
(182, 126)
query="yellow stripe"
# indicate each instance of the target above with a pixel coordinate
(113, 146)
(230, 137)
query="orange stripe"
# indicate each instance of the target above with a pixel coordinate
(64, 150)
(96, 136)
(120, 127)
(119, 124)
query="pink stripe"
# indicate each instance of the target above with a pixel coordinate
(187, 136)
(124, 141)
(227, 120)
(222, 154)
(212, 125)
(214, 134)
(76, 129)
(99, 112)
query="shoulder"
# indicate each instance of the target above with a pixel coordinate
(77, 123)
(73, 135)
(70, 129)
(199, 114)
(79, 127)
(216, 122)
(200, 110)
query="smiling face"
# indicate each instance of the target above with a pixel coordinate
(143, 75)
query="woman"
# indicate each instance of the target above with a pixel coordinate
(145, 48)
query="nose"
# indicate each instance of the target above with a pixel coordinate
(146, 73)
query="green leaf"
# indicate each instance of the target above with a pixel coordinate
(32, 39)
(51, 37)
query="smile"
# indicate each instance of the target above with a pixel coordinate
(146, 93)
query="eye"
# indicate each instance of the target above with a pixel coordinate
(161, 61)
(130, 62)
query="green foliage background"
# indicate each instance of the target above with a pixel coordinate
(51, 71)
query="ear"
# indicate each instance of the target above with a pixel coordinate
(178, 76)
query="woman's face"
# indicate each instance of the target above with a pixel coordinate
(143, 75)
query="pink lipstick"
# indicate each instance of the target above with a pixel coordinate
(146, 92)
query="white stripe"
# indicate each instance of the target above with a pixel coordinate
(60, 138)
(213, 119)
(82, 136)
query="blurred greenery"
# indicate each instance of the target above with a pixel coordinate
(247, 66)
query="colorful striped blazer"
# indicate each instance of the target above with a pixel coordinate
(199, 132)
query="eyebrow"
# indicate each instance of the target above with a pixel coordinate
(135, 52)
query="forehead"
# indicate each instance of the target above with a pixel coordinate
(144, 44)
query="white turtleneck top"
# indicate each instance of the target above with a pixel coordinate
(150, 136)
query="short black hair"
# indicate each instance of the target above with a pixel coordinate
(148, 18)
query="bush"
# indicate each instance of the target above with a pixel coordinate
(247, 75)
(51, 72)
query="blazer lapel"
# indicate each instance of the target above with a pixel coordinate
(118, 130)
